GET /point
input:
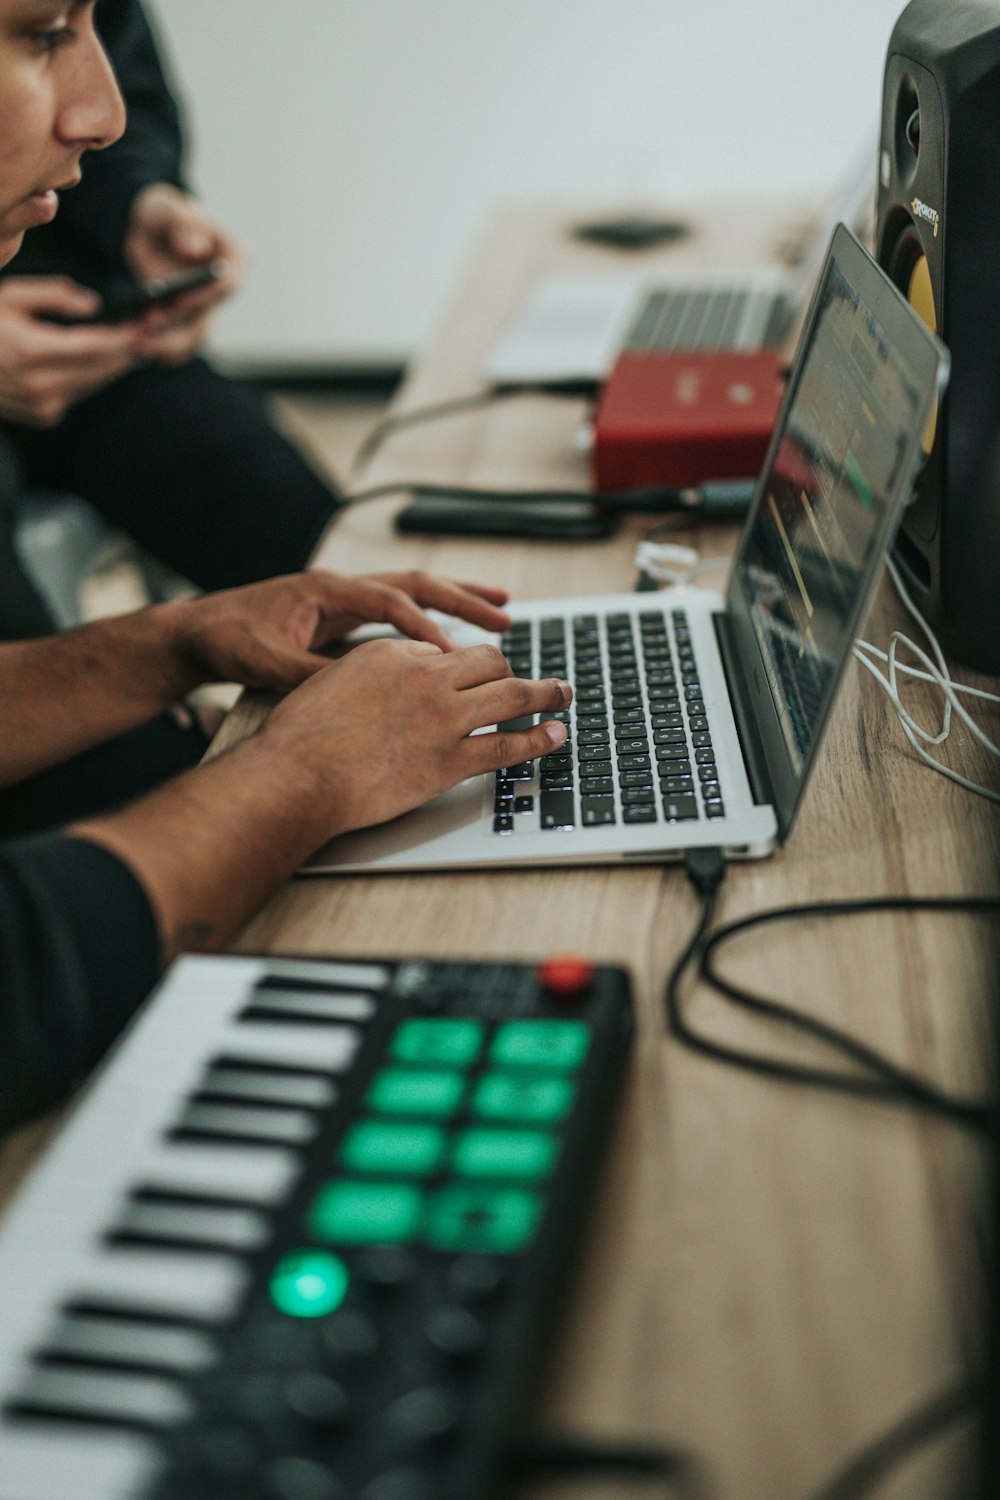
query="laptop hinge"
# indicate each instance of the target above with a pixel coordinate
(746, 723)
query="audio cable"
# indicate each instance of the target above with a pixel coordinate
(453, 406)
(722, 499)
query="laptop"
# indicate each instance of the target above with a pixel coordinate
(570, 329)
(696, 718)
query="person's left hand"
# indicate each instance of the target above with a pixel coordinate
(169, 231)
(270, 634)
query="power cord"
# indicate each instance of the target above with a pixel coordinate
(889, 1084)
(715, 499)
(918, 1427)
(455, 406)
(885, 1082)
(548, 1455)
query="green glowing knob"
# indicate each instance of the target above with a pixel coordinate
(309, 1283)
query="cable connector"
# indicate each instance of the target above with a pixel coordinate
(706, 869)
(725, 499)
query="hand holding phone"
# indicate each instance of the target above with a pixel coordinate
(124, 304)
(158, 293)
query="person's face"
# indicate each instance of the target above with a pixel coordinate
(58, 99)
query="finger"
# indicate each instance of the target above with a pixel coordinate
(472, 666)
(513, 698)
(489, 752)
(191, 233)
(346, 602)
(288, 665)
(391, 606)
(52, 294)
(91, 346)
(476, 603)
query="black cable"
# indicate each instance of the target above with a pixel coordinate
(890, 1084)
(876, 1462)
(674, 1471)
(720, 499)
(900, 1085)
(455, 406)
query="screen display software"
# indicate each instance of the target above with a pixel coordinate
(806, 555)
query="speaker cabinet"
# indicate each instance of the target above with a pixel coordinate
(937, 235)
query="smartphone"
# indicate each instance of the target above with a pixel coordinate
(123, 303)
(159, 293)
(540, 517)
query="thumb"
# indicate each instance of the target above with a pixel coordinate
(192, 233)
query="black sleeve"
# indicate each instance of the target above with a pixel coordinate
(94, 214)
(78, 953)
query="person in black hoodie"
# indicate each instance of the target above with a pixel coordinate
(129, 415)
(89, 914)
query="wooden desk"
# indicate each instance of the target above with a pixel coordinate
(774, 1275)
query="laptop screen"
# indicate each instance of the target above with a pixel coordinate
(839, 470)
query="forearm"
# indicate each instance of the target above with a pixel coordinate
(211, 846)
(67, 693)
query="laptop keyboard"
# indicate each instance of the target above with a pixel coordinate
(686, 319)
(639, 749)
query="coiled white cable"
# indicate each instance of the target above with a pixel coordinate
(928, 670)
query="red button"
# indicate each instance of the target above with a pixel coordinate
(566, 976)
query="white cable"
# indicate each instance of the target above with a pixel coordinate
(936, 672)
(671, 564)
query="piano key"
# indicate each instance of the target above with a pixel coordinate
(270, 1088)
(124, 1342)
(205, 1224)
(286, 1127)
(131, 1398)
(314, 971)
(201, 1287)
(260, 1175)
(312, 1003)
(323, 1049)
(55, 1462)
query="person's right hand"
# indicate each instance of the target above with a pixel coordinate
(391, 725)
(46, 367)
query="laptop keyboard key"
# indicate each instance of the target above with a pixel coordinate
(643, 813)
(680, 808)
(556, 809)
(597, 810)
(596, 786)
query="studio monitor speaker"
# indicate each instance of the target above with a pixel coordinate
(937, 234)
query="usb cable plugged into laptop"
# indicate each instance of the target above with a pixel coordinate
(875, 1077)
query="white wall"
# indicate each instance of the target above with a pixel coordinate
(359, 145)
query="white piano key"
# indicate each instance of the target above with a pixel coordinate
(130, 1398)
(324, 971)
(120, 1341)
(328, 1007)
(225, 1228)
(53, 1462)
(287, 1127)
(324, 1049)
(270, 1088)
(261, 1175)
(183, 1285)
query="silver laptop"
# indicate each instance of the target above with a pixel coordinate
(570, 329)
(696, 718)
